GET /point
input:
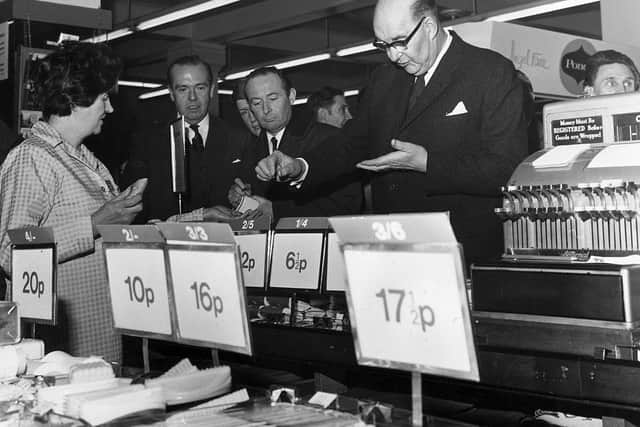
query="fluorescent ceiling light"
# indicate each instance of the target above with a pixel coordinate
(282, 65)
(300, 101)
(351, 92)
(183, 13)
(353, 50)
(165, 91)
(537, 9)
(116, 34)
(131, 83)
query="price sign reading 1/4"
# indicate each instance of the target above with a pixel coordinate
(253, 249)
(32, 282)
(138, 286)
(296, 260)
(408, 310)
(207, 297)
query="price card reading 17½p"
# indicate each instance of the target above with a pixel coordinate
(409, 311)
(207, 297)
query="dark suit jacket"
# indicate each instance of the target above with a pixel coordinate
(334, 197)
(225, 159)
(471, 155)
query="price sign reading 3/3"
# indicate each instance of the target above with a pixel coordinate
(296, 260)
(253, 248)
(207, 297)
(336, 273)
(138, 286)
(32, 287)
(407, 308)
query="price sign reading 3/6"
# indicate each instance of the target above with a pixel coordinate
(296, 260)
(206, 291)
(138, 286)
(253, 249)
(32, 288)
(407, 308)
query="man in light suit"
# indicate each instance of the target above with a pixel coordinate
(216, 152)
(441, 126)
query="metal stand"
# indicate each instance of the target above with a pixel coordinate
(33, 330)
(180, 203)
(145, 354)
(214, 357)
(416, 399)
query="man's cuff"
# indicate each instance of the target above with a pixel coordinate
(305, 170)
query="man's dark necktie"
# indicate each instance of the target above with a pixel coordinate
(196, 142)
(416, 90)
(273, 144)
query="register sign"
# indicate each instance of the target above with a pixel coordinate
(577, 130)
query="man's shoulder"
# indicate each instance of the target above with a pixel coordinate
(475, 54)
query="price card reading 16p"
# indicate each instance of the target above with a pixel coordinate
(207, 286)
(137, 279)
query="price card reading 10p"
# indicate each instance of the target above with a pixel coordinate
(136, 270)
(297, 253)
(207, 286)
(406, 295)
(33, 273)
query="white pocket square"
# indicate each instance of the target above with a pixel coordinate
(236, 161)
(460, 108)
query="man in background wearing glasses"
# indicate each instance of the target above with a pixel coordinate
(442, 128)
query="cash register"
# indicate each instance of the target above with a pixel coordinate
(564, 298)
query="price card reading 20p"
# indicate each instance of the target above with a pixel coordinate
(406, 295)
(136, 269)
(207, 288)
(253, 238)
(33, 273)
(297, 259)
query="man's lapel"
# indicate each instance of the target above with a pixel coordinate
(440, 80)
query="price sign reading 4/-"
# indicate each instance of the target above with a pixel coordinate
(33, 262)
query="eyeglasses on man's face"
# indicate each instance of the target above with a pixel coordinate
(401, 44)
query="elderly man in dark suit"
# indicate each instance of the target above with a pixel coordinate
(442, 127)
(216, 151)
(271, 98)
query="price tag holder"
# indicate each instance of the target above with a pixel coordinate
(406, 295)
(254, 238)
(33, 273)
(336, 277)
(207, 288)
(298, 253)
(136, 270)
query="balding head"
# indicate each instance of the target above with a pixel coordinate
(415, 21)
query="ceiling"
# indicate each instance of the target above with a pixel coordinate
(268, 31)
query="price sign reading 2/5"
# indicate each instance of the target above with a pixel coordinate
(207, 297)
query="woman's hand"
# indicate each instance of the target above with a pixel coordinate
(122, 209)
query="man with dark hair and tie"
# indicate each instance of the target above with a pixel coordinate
(271, 98)
(441, 126)
(216, 152)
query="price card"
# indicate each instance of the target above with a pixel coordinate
(208, 300)
(296, 261)
(407, 301)
(336, 273)
(136, 271)
(33, 278)
(253, 258)
(207, 287)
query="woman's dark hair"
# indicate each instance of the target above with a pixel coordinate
(75, 75)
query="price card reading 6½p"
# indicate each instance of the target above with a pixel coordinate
(297, 259)
(33, 273)
(207, 286)
(406, 295)
(136, 270)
